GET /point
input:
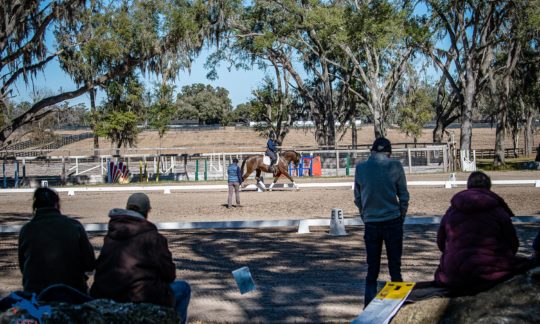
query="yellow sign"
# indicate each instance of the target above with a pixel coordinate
(395, 290)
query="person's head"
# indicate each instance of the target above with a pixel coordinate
(381, 145)
(45, 198)
(140, 203)
(272, 135)
(480, 180)
(234, 160)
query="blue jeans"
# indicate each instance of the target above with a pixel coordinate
(391, 233)
(182, 294)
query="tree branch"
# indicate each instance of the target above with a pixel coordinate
(30, 115)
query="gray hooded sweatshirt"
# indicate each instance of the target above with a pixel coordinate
(380, 189)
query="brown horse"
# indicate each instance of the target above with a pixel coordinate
(255, 163)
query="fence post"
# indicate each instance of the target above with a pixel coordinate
(337, 163)
(445, 159)
(63, 169)
(197, 170)
(24, 170)
(140, 171)
(158, 171)
(145, 169)
(224, 164)
(205, 169)
(410, 159)
(16, 174)
(4, 173)
(347, 172)
(108, 161)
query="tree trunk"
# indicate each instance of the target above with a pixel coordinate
(331, 129)
(378, 123)
(354, 133)
(118, 146)
(528, 138)
(93, 122)
(515, 141)
(328, 106)
(466, 118)
(502, 105)
(438, 132)
(500, 133)
(4, 109)
(320, 127)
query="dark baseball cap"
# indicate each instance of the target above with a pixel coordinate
(381, 144)
(139, 202)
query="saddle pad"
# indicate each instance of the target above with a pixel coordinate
(266, 160)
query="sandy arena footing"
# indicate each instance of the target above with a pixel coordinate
(311, 277)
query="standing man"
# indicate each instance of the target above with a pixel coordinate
(135, 264)
(380, 193)
(234, 181)
(53, 248)
(271, 150)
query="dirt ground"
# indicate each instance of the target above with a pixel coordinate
(306, 203)
(300, 278)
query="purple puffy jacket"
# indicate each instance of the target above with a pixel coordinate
(478, 242)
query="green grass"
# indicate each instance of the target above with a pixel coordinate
(512, 164)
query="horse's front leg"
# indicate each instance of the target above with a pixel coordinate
(244, 178)
(291, 179)
(274, 182)
(260, 184)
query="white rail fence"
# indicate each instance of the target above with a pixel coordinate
(303, 225)
(286, 186)
(29, 171)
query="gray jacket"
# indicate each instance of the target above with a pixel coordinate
(380, 189)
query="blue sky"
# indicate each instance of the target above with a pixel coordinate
(239, 83)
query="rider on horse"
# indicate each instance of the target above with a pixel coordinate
(271, 150)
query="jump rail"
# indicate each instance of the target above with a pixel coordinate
(302, 224)
(167, 189)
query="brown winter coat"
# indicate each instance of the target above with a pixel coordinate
(135, 264)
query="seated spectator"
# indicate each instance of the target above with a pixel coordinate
(53, 248)
(477, 240)
(135, 264)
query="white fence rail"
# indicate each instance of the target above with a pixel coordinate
(302, 224)
(222, 187)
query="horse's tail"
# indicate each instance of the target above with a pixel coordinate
(242, 167)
